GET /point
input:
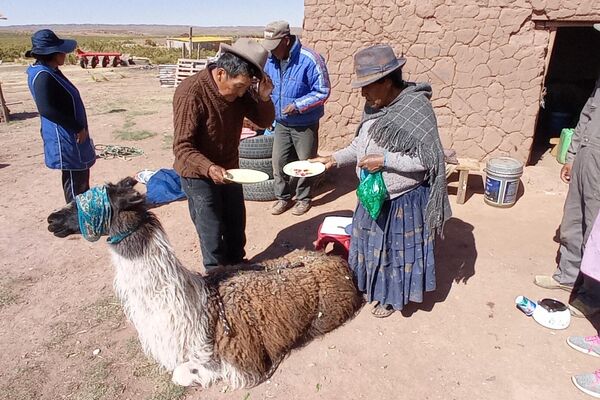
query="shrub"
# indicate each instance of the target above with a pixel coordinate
(14, 45)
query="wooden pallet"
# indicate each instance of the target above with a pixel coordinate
(167, 75)
(187, 68)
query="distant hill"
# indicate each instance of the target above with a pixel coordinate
(142, 30)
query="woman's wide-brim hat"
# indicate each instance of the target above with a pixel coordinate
(44, 42)
(373, 63)
(250, 50)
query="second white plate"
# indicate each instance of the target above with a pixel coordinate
(304, 169)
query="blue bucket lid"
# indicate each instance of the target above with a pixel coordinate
(504, 165)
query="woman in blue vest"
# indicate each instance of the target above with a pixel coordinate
(67, 145)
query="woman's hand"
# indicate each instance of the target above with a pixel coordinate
(329, 161)
(372, 162)
(217, 174)
(82, 136)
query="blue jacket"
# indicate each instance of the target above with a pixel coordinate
(59, 128)
(305, 82)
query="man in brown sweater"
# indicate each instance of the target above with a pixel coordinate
(208, 113)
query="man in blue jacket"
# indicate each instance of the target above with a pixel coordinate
(301, 87)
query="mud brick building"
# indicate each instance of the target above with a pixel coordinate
(492, 64)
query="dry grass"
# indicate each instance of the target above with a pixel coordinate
(164, 389)
(60, 333)
(99, 383)
(24, 384)
(104, 310)
(134, 135)
(7, 295)
(167, 141)
(126, 133)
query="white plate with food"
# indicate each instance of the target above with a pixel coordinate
(304, 169)
(242, 175)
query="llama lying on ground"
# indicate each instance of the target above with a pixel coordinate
(236, 325)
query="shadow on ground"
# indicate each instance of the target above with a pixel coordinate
(455, 258)
(298, 236)
(22, 116)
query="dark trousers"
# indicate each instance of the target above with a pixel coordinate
(75, 182)
(589, 291)
(219, 214)
(293, 143)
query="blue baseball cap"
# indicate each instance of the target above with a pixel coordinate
(44, 42)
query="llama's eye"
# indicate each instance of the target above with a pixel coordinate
(194, 371)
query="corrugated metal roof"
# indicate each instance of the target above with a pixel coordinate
(202, 39)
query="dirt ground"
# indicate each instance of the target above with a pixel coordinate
(63, 334)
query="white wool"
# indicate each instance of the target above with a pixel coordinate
(166, 303)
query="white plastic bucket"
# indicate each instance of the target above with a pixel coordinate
(502, 176)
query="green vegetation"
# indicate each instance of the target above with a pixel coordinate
(14, 45)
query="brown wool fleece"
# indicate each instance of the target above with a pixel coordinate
(207, 127)
(272, 312)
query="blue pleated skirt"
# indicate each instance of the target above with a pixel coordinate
(392, 257)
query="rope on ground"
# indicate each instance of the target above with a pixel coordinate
(110, 151)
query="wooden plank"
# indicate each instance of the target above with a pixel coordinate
(468, 164)
(463, 179)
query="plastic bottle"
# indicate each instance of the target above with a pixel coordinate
(563, 145)
(526, 305)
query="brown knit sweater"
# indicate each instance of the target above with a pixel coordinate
(208, 127)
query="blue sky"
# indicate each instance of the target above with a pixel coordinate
(179, 12)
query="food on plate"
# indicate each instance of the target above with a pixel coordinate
(301, 171)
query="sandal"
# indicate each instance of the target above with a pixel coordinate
(382, 311)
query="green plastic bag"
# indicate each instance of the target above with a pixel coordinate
(371, 192)
(564, 144)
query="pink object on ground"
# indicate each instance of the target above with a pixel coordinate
(332, 230)
(590, 264)
(247, 132)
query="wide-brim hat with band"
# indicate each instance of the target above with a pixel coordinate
(44, 42)
(373, 63)
(250, 50)
(274, 33)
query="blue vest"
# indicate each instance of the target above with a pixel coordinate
(61, 150)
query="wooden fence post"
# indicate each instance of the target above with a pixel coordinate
(3, 108)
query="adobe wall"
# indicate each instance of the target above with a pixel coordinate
(485, 63)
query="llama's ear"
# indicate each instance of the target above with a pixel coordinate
(131, 201)
(127, 183)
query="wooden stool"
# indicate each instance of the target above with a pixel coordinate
(464, 166)
(333, 230)
(554, 143)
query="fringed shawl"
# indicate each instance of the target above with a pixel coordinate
(408, 126)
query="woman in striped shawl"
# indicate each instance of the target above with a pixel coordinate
(392, 255)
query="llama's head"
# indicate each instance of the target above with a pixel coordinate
(100, 210)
